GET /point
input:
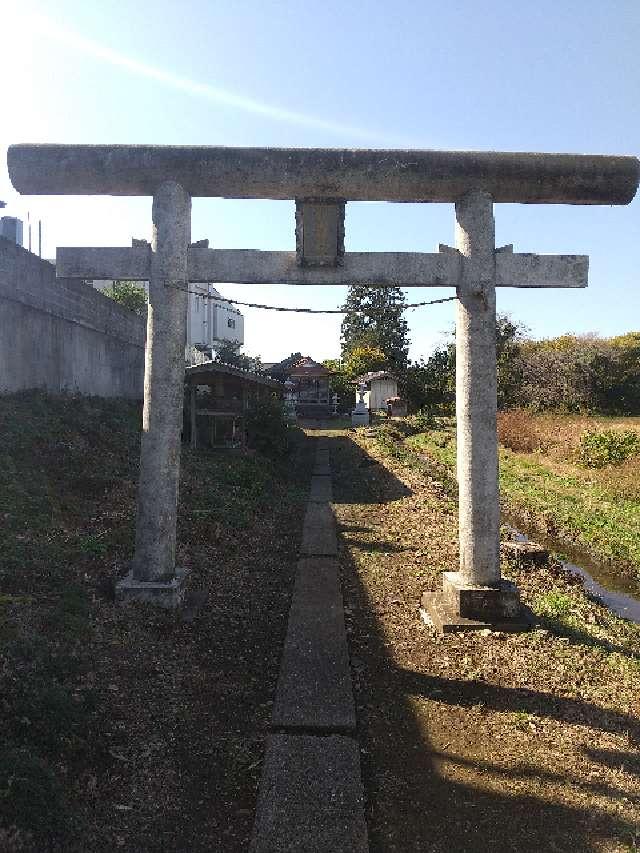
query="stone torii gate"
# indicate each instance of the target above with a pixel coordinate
(321, 181)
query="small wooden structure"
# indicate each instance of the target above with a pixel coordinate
(396, 407)
(229, 390)
(380, 386)
(310, 388)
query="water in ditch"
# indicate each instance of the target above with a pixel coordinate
(619, 593)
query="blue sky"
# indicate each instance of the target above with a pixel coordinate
(544, 76)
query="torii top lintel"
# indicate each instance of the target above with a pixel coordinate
(347, 174)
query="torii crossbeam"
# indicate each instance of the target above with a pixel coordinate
(321, 181)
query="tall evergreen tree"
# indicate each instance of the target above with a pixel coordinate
(374, 318)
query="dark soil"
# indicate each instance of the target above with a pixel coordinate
(131, 729)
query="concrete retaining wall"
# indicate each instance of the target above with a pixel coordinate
(62, 335)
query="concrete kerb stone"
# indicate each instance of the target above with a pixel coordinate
(314, 687)
(311, 796)
(321, 490)
(319, 514)
(319, 532)
(322, 465)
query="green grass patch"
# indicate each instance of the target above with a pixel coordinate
(554, 604)
(566, 506)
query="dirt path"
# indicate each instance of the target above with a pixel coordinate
(478, 743)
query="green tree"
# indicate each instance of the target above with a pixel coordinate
(374, 319)
(509, 336)
(364, 359)
(361, 359)
(430, 384)
(340, 383)
(582, 373)
(228, 352)
(129, 294)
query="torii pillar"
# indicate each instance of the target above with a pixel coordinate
(154, 575)
(476, 596)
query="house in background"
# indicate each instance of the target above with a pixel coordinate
(211, 320)
(380, 386)
(307, 385)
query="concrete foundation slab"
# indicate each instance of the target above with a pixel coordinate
(359, 418)
(168, 594)
(447, 621)
(321, 489)
(314, 688)
(310, 812)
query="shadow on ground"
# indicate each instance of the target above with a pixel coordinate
(423, 797)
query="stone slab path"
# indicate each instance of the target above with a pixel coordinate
(314, 688)
(311, 795)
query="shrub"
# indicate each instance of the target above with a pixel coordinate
(554, 604)
(581, 374)
(422, 421)
(267, 427)
(129, 294)
(517, 431)
(389, 437)
(608, 447)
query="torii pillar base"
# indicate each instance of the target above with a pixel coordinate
(168, 594)
(460, 606)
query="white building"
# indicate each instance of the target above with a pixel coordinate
(380, 386)
(210, 320)
(11, 229)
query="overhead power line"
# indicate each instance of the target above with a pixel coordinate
(282, 308)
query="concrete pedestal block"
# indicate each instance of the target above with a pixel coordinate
(461, 606)
(360, 417)
(168, 594)
(480, 602)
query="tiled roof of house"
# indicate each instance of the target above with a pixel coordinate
(375, 374)
(308, 367)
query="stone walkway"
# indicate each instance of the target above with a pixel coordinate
(311, 796)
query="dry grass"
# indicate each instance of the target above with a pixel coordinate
(557, 437)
